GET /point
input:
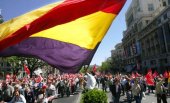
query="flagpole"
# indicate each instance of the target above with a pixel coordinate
(86, 67)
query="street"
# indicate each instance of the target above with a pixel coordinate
(149, 99)
(76, 99)
(72, 99)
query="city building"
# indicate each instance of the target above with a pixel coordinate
(155, 42)
(117, 55)
(118, 51)
(138, 16)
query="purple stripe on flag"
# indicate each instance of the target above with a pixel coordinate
(64, 56)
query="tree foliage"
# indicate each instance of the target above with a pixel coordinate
(32, 63)
(106, 65)
(94, 96)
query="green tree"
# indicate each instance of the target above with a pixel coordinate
(106, 65)
(1, 18)
(18, 63)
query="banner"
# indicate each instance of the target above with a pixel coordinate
(155, 74)
(64, 34)
(149, 78)
(166, 74)
(26, 69)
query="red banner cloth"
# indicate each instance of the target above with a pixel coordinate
(166, 74)
(149, 78)
(155, 74)
(26, 70)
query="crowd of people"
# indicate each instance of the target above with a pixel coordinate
(39, 89)
(134, 86)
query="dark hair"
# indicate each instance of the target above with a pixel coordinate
(17, 90)
(92, 73)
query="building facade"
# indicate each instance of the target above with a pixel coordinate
(117, 55)
(138, 16)
(155, 42)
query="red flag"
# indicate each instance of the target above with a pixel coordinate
(38, 79)
(26, 70)
(149, 78)
(133, 75)
(166, 74)
(137, 75)
(155, 74)
(94, 68)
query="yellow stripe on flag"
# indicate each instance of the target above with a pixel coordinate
(11, 26)
(85, 32)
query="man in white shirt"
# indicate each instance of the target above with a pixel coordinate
(91, 81)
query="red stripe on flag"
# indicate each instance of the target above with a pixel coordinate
(63, 13)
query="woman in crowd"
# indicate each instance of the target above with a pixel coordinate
(136, 91)
(18, 97)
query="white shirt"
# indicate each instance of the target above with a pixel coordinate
(51, 90)
(21, 99)
(124, 81)
(52, 87)
(91, 81)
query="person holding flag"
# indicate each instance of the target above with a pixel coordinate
(27, 71)
(91, 81)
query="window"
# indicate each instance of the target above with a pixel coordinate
(130, 20)
(145, 63)
(139, 9)
(147, 21)
(164, 3)
(165, 16)
(150, 7)
(140, 25)
(159, 21)
(153, 62)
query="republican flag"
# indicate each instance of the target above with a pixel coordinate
(149, 78)
(26, 69)
(65, 34)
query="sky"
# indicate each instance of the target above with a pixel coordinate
(14, 8)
